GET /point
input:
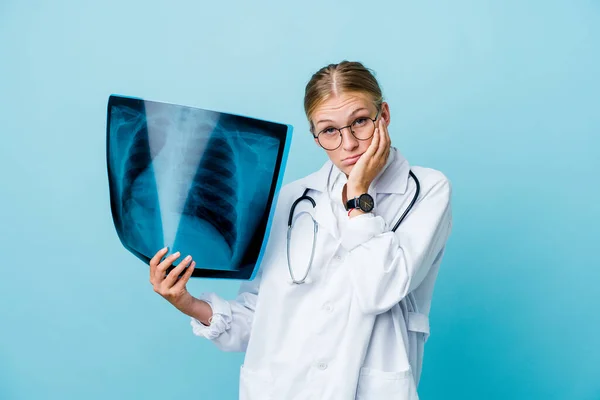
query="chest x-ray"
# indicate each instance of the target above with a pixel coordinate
(201, 182)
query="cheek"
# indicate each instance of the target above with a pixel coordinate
(364, 144)
(334, 155)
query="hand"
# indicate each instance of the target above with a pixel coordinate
(370, 163)
(172, 288)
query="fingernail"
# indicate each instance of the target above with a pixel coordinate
(188, 258)
(177, 254)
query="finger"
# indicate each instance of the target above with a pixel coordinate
(159, 254)
(185, 278)
(374, 143)
(174, 274)
(155, 260)
(386, 133)
(383, 144)
(166, 263)
(384, 129)
(388, 143)
(387, 139)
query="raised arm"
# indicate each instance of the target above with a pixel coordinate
(386, 266)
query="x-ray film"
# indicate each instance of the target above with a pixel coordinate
(198, 181)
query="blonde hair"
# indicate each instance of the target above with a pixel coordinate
(334, 79)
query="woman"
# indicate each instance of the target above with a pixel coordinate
(357, 325)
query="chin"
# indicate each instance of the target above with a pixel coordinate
(346, 170)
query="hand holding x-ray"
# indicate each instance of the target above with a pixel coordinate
(168, 281)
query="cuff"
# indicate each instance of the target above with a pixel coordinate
(220, 320)
(361, 228)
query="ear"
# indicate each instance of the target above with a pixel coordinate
(385, 113)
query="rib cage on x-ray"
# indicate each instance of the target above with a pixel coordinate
(138, 205)
(213, 195)
(139, 159)
(228, 190)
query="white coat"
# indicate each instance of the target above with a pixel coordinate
(357, 327)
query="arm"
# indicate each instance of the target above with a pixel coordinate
(386, 266)
(226, 323)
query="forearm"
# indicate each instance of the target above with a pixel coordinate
(196, 308)
(385, 265)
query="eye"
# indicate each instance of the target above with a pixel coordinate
(329, 131)
(359, 121)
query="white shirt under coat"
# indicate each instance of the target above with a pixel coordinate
(348, 331)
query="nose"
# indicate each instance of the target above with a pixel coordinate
(349, 142)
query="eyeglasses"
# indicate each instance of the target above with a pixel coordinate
(362, 128)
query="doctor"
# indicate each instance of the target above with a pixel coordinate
(356, 327)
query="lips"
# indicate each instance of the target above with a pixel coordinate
(351, 160)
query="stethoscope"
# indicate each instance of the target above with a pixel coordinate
(292, 219)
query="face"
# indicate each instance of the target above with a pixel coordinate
(343, 110)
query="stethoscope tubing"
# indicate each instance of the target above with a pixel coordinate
(304, 196)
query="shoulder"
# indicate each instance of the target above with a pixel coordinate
(285, 197)
(290, 191)
(433, 182)
(296, 187)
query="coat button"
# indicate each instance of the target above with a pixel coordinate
(322, 366)
(328, 307)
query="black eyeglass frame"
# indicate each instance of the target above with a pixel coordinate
(351, 131)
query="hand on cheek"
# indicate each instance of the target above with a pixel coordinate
(371, 162)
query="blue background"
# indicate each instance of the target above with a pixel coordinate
(501, 96)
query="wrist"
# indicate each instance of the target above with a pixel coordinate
(185, 303)
(201, 310)
(355, 212)
(355, 191)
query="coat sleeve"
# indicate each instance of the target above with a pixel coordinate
(386, 266)
(231, 322)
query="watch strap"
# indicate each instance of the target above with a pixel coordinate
(352, 203)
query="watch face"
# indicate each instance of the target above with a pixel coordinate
(365, 202)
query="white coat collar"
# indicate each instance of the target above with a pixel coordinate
(392, 179)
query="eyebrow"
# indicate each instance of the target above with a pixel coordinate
(351, 114)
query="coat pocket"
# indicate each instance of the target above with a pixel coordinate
(255, 385)
(374, 384)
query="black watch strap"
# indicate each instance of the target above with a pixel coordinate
(352, 203)
(364, 202)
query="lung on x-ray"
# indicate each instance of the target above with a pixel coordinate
(198, 181)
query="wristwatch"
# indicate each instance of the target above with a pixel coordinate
(364, 202)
